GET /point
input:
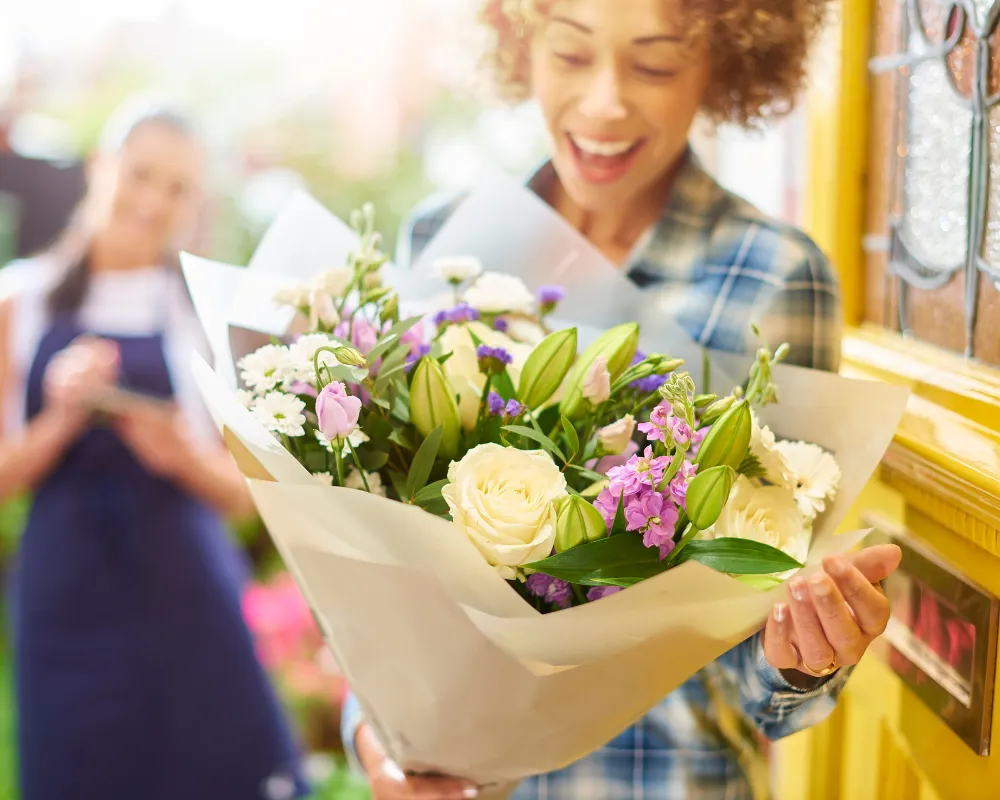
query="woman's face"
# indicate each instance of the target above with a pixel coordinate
(619, 86)
(146, 194)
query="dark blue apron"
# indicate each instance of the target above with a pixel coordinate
(136, 675)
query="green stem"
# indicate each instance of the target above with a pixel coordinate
(337, 445)
(317, 368)
(644, 402)
(689, 534)
(672, 470)
(357, 462)
(578, 591)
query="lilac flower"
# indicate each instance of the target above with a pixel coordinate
(551, 590)
(494, 404)
(679, 485)
(513, 409)
(500, 324)
(600, 592)
(638, 472)
(550, 296)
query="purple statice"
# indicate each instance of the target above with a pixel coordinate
(500, 324)
(550, 296)
(664, 427)
(493, 360)
(639, 471)
(600, 592)
(679, 485)
(649, 384)
(463, 312)
(513, 409)
(494, 404)
(414, 356)
(551, 590)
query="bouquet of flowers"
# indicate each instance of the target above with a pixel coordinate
(438, 484)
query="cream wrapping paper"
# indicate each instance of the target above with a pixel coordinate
(455, 672)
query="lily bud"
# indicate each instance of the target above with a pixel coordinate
(546, 367)
(617, 346)
(390, 309)
(703, 400)
(717, 409)
(707, 495)
(577, 522)
(432, 403)
(350, 357)
(728, 439)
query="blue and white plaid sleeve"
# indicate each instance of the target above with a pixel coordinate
(351, 718)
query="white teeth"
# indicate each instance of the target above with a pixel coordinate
(602, 148)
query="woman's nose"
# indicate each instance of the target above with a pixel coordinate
(603, 97)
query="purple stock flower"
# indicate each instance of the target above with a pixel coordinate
(600, 592)
(495, 404)
(550, 296)
(607, 503)
(679, 485)
(362, 334)
(551, 590)
(663, 426)
(500, 324)
(638, 472)
(697, 438)
(513, 409)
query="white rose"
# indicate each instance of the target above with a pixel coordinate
(457, 269)
(766, 514)
(614, 438)
(504, 501)
(462, 369)
(495, 293)
(763, 446)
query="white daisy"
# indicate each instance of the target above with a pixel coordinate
(762, 445)
(815, 475)
(281, 413)
(357, 439)
(353, 481)
(247, 399)
(457, 269)
(302, 353)
(265, 368)
(324, 477)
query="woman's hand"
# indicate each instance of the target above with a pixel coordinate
(74, 376)
(832, 617)
(158, 439)
(389, 783)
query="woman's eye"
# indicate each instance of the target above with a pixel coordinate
(650, 72)
(571, 59)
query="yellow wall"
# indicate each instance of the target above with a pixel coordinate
(942, 486)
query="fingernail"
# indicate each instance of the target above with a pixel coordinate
(821, 587)
(781, 612)
(798, 589)
(836, 567)
(470, 792)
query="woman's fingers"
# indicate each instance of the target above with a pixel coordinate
(816, 652)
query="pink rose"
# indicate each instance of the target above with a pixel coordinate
(337, 411)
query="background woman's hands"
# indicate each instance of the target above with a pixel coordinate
(75, 376)
(832, 617)
(158, 439)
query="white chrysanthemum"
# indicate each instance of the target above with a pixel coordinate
(458, 269)
(324, 477)
(281, 413)
(266, 368)
(302, 353)
(495, 293)
(763, 446)
(294, 294)
(357, 439)
(353, 481)
(815, 475)
(247, 399)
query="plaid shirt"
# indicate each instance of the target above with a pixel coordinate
(718, 265)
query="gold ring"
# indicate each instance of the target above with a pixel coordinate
(822, 673)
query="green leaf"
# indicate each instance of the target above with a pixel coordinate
(548, 418)
(594, 489)
(398, 480)
(504, 386)
(402, 327)
(761, 582)
(373, 460)
(377, 428)
(739, 556)
(587, 473)
(616, 561)
(423, 462)
(402, 437)
(381, 403)
(430, 492)
(620, 525)
(342, 372)
(571, 435)
(541, 438)
(383, 346)
(751, 467)
(385, 376)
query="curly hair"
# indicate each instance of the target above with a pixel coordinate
(758, 51)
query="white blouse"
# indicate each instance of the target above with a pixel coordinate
(138, 302)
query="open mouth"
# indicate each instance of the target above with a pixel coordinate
(603, 160)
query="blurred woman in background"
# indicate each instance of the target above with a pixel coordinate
(136, 676)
